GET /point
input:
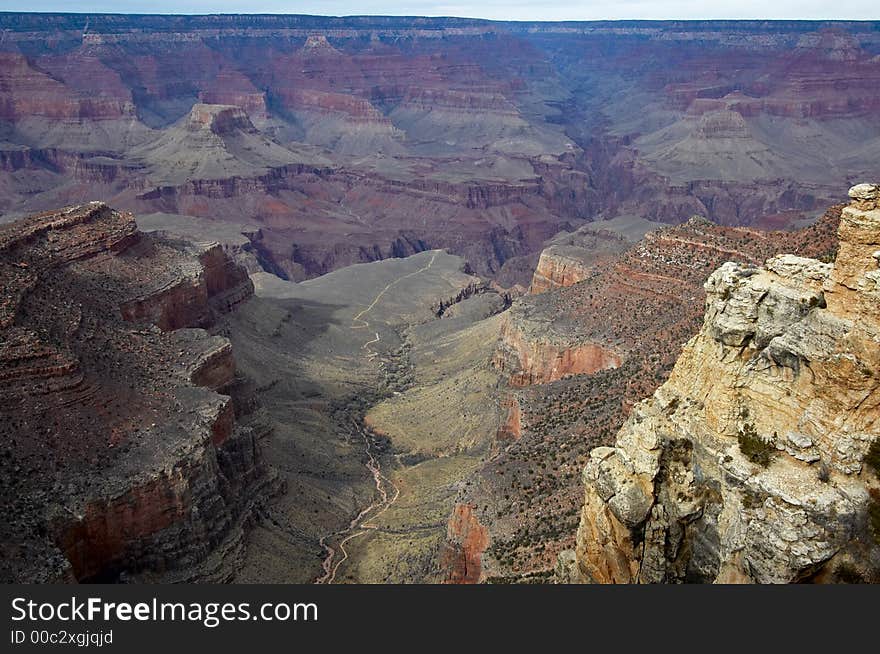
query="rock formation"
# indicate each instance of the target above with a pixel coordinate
(536, 359)
(643, 304)
(366, 138)
(130, 449)
(466, 540)
(558, 268)
(749, 463)
(511, 428)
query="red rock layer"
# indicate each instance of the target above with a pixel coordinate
(648, 303)
(511, 428)
(532, 360)
(27, 92)
(466, 540)
(556, 270)
(121, 458)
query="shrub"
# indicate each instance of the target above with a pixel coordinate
(754, 448)
(847, 574)
(874, 515)
(872, 458)
(752, 500)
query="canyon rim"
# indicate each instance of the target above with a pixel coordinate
(386, 300)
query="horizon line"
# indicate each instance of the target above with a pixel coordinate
(439, 16)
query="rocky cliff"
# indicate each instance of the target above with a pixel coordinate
(538, 358)
(643, 304)
(570, 257)
(466, 540)
(130, 448)
(346, 140)
(557, 267)
(756, 461)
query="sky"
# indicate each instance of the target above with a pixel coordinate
(492, 9)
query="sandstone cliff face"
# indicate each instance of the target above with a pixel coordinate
(747, 465)
(537, 360)
(129, 448)
(466, 540)
(557, 268)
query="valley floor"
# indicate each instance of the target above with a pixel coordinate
(381, 411)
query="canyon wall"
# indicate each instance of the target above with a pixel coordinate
(537, 359)
(642, 304)
(131, 450)
(558, 268)
(347, 140)
(756, 460)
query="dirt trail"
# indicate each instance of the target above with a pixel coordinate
(364, 521)
(378, 297)
(387, 492)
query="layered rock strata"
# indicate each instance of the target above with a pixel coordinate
(557, 268)
(348, 140)
(466, 540)
(128, 450)
(749, 463)
(645, 304)
(537, 359)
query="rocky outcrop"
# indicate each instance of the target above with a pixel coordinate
(748, 464)
(222, 120)
(558, 267)
(318, 45)
(466, 540)
(207, 284)
(511, 428)
(442, 307)
(538, 359)
(131, 450)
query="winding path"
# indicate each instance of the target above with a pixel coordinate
(363, 522)
(378, 297)
(386, 490)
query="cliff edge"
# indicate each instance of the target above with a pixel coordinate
(756, 460)
(129, 444)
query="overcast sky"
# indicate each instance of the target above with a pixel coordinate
(495, 9)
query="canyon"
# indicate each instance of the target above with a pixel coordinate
(436, 300)
(168, 417)
(401, 417)
(347, 140)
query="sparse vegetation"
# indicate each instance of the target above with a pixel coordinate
(872, 458)
(847, 574)
(755, 448)
(874, 515)
(752, 499)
